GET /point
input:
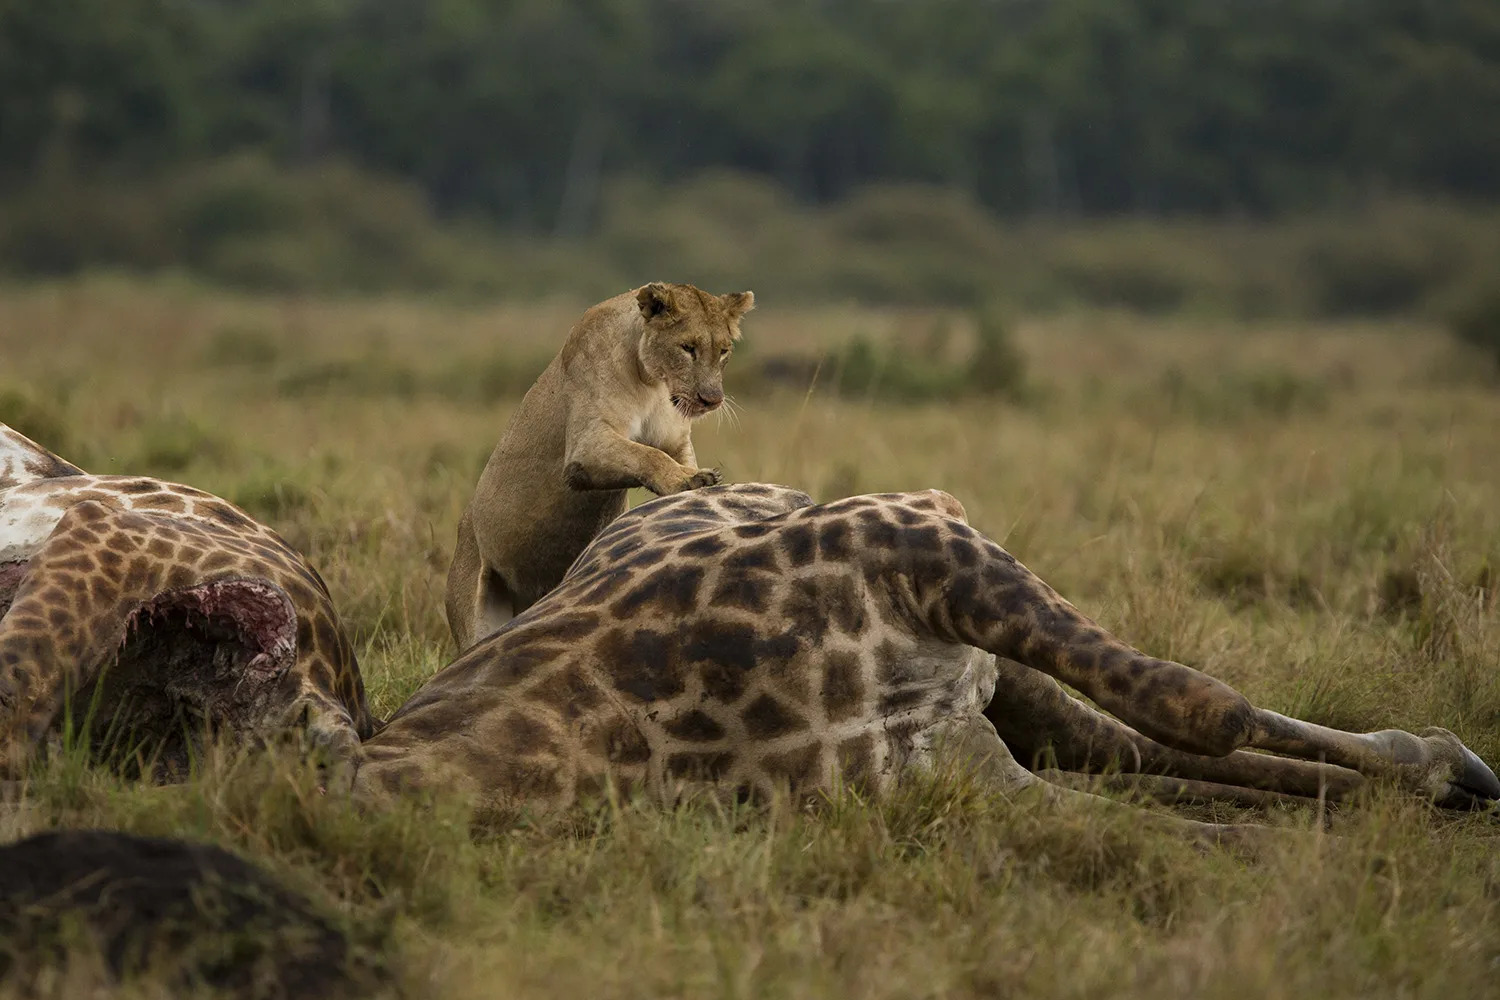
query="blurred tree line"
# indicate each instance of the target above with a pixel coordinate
(517, 110)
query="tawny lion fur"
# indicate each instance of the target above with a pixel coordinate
(612, 411)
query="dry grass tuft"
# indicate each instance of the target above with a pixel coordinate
(1307, 511)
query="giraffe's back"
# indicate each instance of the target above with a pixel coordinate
(738, 636)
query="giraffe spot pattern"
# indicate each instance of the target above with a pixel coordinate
(856, 759)
(798, 768)
(694, 726)
(568, 693)
(843, 689)
(669, 590)
(766, 718)
(696, 766)
(643, 663)
(654, 618)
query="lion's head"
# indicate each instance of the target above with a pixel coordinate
(688, 338)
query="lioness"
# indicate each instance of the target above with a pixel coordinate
(613, 410)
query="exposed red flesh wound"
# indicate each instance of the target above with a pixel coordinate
(10, 581)
(263, 617)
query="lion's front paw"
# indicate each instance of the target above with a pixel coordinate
(702, 478)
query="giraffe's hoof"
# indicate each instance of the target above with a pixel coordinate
(1472, 784)
(1477, 786)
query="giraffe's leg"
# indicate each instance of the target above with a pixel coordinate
(1040, 721)
(976, 743)
(1164, 788)
(974, 592)
(1434, 762)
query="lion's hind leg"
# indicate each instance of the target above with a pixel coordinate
(477, 599)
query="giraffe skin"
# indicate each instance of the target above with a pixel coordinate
(737, 638)
(158, 604)
(743, 637)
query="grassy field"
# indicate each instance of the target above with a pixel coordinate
(1310, 512)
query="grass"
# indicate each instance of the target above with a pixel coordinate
(1308, 511)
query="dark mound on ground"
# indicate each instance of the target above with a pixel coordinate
(192, 913)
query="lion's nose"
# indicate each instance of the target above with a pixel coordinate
(711, 398)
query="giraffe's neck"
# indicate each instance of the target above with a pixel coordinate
(27, 516)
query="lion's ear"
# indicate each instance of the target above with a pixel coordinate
(656, 299)
(736, 304)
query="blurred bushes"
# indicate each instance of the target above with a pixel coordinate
(370, 375)
(242, 223)
(42, 420)
(168, 443)
(1476, 318)
(998, 367)
(863, 369)
(375, 374)
(912, 244)
(1403, 256)
(515, 110)
(238, 345)
(1275, 393)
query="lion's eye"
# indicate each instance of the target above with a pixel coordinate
(724, 354)
(692, 351)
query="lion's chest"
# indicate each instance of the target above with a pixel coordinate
(659, 425)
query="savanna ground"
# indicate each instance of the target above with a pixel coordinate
(1311, 512)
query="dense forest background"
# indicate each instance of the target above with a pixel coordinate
(555, 119)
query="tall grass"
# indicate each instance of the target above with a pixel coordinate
(1306, 510)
